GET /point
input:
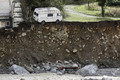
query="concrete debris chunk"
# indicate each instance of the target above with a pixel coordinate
(88, 70)
(18, 69)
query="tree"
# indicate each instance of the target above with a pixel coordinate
(30, 5)
(102, 3)
(88, 1)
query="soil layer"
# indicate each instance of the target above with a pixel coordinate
(33, 43)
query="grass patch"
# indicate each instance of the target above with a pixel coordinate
(75, 17)
(95, 10)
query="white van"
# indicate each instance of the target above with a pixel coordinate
(48, 14)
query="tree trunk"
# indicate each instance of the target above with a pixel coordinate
(103, 11)
(88, 4)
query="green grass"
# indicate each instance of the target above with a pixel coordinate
(75, 17)
(84, 9)
(96, 10)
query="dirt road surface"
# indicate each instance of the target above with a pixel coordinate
(52, 76)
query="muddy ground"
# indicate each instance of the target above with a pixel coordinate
(86, 43)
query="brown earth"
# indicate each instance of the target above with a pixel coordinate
(33, 43)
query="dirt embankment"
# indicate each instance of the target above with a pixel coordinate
(81, 42)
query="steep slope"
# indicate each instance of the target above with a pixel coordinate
(33, 43)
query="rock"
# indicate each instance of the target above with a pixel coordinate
(47, 28)
(59, 61)
(22, 79)
(37, 70)
(47, 67)
(61, 72)
(106, 78)
(18, 69)
(88, 70)
(75, 65)
(23, 34)
(66, 62)
(67, 50)
(75, 50)
(49, 54)
(1, 65)
(29, 69)
(53, 70)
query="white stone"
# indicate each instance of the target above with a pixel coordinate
(54, 70)
(88, 70)
(74, 65)
(61, 72)
(47, 67)
(66, 62)
(23, 34)
(18, 69)
(67, 50)
(75, 50)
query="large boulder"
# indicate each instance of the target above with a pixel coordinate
(88, 70)
(18, 69)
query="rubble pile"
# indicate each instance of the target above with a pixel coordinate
(61, 68)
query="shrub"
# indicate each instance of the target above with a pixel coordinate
(113, 2)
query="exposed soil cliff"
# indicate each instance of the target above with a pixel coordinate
(33, 43)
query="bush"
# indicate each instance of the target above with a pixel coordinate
(113, 3)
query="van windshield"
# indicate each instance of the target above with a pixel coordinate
(35, 13)
(58, 14)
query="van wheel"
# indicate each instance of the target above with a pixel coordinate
(43, 22)
(57, 21)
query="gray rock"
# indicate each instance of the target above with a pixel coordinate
(37, 70)
(47, 67)
(66, 62)
(75, 50)
(23, 34)
(59, 61)
(75, 65)
(30, 69)
(88, 70)
(68, 51)
(61, 72)
(18, 69)
(53, 70)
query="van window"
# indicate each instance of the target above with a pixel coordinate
(7, 23)
(35, 13)
(58, 14)
(50, 15)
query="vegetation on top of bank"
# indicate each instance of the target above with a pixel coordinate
(29, 6)
(94, 9)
